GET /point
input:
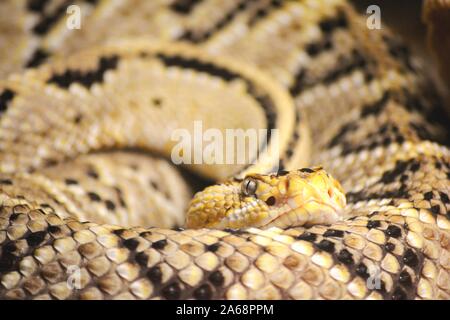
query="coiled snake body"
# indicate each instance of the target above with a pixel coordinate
(77, 174)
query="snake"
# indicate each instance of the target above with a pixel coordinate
(347, 197)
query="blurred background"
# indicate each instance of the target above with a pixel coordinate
(404, 17)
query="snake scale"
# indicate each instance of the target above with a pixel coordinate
(83, 138)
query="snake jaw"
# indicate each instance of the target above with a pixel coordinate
(309, 214)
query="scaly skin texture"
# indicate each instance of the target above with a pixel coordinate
(375, 122)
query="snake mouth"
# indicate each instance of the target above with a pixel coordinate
(311, 213)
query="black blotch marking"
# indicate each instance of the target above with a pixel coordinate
(92, 173)
(131, 244)
(405, 278)
(8, 262)
(88, 78)
(14, 216)
(444, 198)
(184, 7)
(141, 258)
(393, 231)
(376, 107)
(213, 247)
(120, 197)
(307, 170)
(263, 12)
(110, 205)
(313, 49)
(119, 232)
(204, 292)
(155, 275)
(53, 229)
(39, 56)
(410, 258)
(326, 245)
(345, 257)
(307, 236)
(391, 175)
(216, 278)
(36, 5)
(415, 166)
(435, 209)
(399, 51)
(403, 178)
(421, 131)
(197, 65)
(329, 24)
(361, 270)
(345, 67)
(145, 234)
(282, 173)
(44, 25)
(50, 162)
(157, 102)
(6, 96)
(299, 83)
(6, 182)
(334, 233)
(373, 224)
(9, 248)
(400, 139)
(36, 238)
(294, 138)
(197, 37)
(172, 291)
(159, 245)
(234, 231)
(122, 202)
(69, 181)
(289, 152)
(77, 118)
(154, 185)
(386, 141)
(94, 196)
(342, 132)
(389, 246)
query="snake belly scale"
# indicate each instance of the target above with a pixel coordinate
(85, 125)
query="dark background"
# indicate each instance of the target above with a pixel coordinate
(404, 17)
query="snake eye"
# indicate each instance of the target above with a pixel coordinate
(249, 186)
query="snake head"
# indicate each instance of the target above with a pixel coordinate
(301, 197)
